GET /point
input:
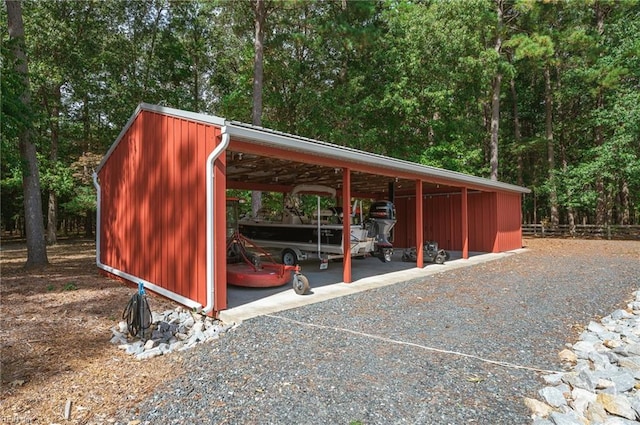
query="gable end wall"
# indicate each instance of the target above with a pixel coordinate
(153, 203)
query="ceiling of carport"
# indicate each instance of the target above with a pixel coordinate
(260, 171)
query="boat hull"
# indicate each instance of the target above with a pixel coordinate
(305, 237)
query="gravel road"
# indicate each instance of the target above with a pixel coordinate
(461, 347)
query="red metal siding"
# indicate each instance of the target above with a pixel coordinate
(442, 221)
(405, 229)
(494, 221)
(482, 221)
(153, 203)
(509, 222)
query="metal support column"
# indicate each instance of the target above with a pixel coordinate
(346, 224)
(465, 223)
(419, 225)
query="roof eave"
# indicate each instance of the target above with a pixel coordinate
(315, 147)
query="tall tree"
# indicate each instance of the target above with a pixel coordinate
(260, 18)
(495, 93)
(534, 46)
(601, 10)
(34, 220)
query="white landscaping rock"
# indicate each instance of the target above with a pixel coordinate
(617, 405)
(172, 330)
(553, 396)
(603, 385)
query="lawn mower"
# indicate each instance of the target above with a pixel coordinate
(431, 254)
(249, 265)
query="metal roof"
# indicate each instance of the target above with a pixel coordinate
(286, 141)
(267, 170)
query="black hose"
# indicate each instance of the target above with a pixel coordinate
(138, 315)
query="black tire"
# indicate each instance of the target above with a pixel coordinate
(289, 257)
(300, 284)
(440, 259)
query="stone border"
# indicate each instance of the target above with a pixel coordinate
(172, 330)
(602, 382)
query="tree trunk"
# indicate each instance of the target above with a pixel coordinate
(52, 219)
(495, 96)
(570, 211)
(260, 14)
(196, 85)
(34, 220)
(258, 61)
(86, 123)
(88, 225)
(151, 51)
(517, 133)
(52, 213)
(601, 202)
(196, 66)
(548, 109)
(625, 214)
(495, 125)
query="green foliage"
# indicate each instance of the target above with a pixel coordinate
(82, 201)
(409, 79)
(454, 156)
(14, 116)
(70, 286)
(57, 177)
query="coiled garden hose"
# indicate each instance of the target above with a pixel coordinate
(137, 313)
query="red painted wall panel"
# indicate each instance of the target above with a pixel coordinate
(509, 208)
(482, 220)
(404, 230)
(494, 221)
(154, 203)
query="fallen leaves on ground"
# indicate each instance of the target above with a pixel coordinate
(56, 326)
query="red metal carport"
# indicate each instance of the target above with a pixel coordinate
(162, 190)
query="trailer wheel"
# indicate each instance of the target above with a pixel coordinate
(289, 257)
(300, 284)
(386, 255)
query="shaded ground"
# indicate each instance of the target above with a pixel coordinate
(55, 331)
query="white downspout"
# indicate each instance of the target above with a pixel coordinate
(135, 279)
(319, 232)
(210, 213)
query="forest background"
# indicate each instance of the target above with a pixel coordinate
(542, 94)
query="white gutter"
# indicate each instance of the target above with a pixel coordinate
(210, 215)
(135, 279)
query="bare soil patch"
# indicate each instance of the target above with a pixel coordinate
(56, 325)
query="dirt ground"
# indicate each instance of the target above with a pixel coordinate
(56, 326)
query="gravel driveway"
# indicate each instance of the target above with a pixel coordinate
(460, 347)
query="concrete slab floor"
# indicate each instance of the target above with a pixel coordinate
(367, 273)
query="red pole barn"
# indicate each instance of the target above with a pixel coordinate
(162, 186)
